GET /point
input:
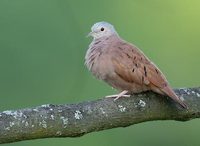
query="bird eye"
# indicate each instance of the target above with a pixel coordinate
(102, 29)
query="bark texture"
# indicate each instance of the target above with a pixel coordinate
(73, 120)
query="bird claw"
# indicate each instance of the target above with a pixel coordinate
(117, 96)
(121, 96)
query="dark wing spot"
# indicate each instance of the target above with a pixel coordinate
(142, 78)
(156, 71)
(128, 55)
(141, 58)
(92, 64)
(133, 69)
(136, 65)
(145, 71)
(97, 42)
(123, 43)
(120, 48)
(134, 58)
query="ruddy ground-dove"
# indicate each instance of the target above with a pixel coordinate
(123, 66)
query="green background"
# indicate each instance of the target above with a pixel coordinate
(42, 49)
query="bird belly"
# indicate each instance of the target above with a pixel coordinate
(118, 83)
(101, 71)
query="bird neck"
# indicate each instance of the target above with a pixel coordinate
(106, 38)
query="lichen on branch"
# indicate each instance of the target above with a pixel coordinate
(73, 120)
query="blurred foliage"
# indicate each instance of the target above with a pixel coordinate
(42, 49)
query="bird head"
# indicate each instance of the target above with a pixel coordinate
(102, 29)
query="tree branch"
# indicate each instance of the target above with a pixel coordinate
(73, 120)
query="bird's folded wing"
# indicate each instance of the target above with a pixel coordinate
(133, 66)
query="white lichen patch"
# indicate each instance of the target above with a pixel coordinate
(35, 110)
(45, 105)
(32, 126)
(78, 115)
(15, 114)
(102, 110)
(26, 124)
(60, 111)
(193, 92)
(142, 103)
(187, 91)
(43, 124)
(8, 112)
(58, 133)
(43, 116)
(11, 124)
(121, 108)
(198, 95)
(52, 117)
(19, 114)
(64, 120)
(7, 128)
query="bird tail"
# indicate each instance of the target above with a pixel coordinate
(168, 91)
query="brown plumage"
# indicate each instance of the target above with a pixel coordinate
(123, 66)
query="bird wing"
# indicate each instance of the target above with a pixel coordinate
(133, 66)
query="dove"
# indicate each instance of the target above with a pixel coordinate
(124, 66)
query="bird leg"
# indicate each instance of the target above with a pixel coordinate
(117, 96)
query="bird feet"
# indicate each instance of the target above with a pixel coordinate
(117, 96)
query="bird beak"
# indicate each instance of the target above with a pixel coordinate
(90, 34)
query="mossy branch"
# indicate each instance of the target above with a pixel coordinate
(73, 120)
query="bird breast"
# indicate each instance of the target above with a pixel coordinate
(97, 60)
